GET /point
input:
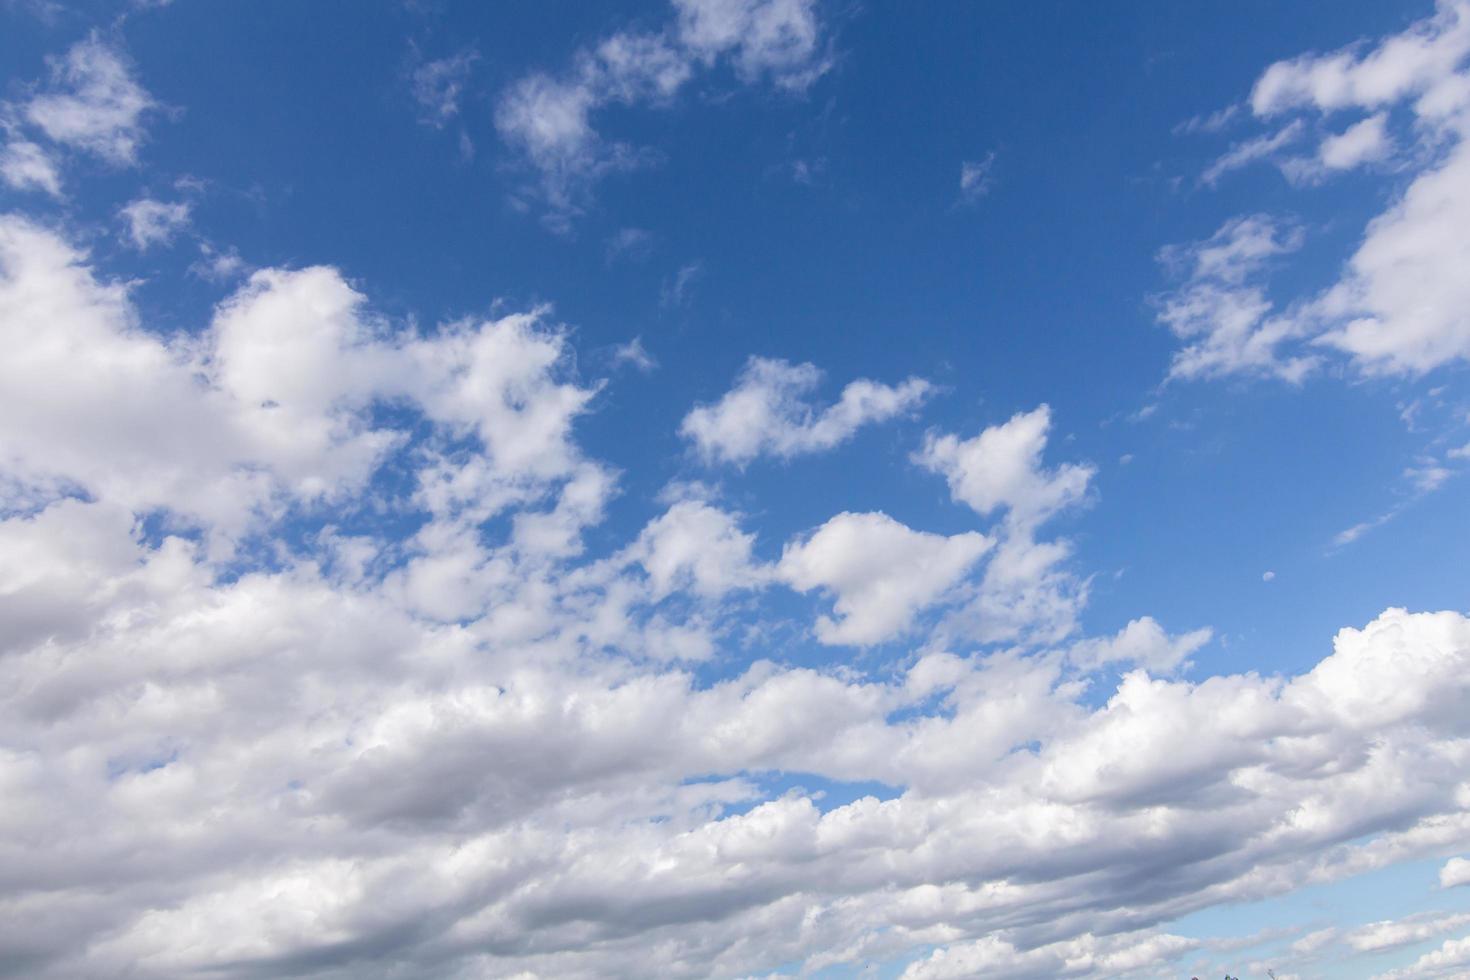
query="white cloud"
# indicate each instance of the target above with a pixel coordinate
(153, 222)
(697, 548)
(976, 179)
(1085, 956)
(676, 291)
(775, 39)
(1143, 643)
(1245, 153)
(268, 405)
(1001, 468)
(1450, 960)
(1400, 304)
(401, 736)
(880, 572)
(1456, 872)
(438, 86)
(1026, 593)
(1388, 934)
(1221, 310)
(93, 103)
(1365, 141)
(26, 166)
(1418, 62)
(549, 118)
(767, 413)
(635, 354)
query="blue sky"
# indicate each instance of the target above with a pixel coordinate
(717, 487)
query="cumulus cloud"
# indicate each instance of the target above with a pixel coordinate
(1399, 305)
(548, 118)
(767, 412)
(880, 573)
(93, 103)
(151, 222)
(269, 407)
(1456, 872)
(1026, 592)
(409, 737)
(1001, 468)
(1142, 642)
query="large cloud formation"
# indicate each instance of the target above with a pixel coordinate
(305, 669)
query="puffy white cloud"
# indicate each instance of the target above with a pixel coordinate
(269, 405)
(1142, 642)
(1450, 960)
(93, 103)
(1363, 142)
(153, 222)
(457, 746)
(880, 572)
(1026, 593)
(697, 548)
(1001, 468)
(1399, 305)
(766, 412)
(26, 166)
(361, 772)
(1418, 62)
(1456, 872)
(548, 117)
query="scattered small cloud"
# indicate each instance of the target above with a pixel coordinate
(677, 290)
(977, 177)
(93, 103)
(633, 353)
(628, 245)
(438, 86)
(26, 166)
(150, 222)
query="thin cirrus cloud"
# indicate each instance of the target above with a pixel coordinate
(438, 86)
